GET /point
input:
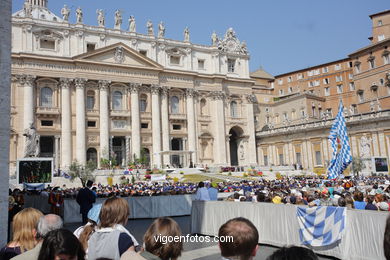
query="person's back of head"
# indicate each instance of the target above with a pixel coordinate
(48, 223)
(240, 239)
(341, 202)
(293, 253)
(201, 184)
(164, 228)
(386, 240)
(89, 183)
(114, 211)
(61, 244)
(261, 197)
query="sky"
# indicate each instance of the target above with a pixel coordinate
(281, 35)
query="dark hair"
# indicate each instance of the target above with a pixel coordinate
(341, 202)
(87, 233)
(244, 238)
(370, 199)
(261, 197)
(89, 183)
(293, 253)
(358, 196)
(164, 227)
(386, 240)
(60, 241)
(201, 184)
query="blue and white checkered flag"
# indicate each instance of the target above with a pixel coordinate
(338, 138)
(321, 226)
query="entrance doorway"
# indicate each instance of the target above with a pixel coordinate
(92, 155)
(119, 149)
(234, 139)
(177, 159)
(46, 145)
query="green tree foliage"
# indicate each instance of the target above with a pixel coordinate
(84, 173)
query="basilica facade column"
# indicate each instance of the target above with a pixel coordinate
(156, 125)
(66, 123)
(251, 157)
(104, 119)
(218, 116)
(191, 127)
(81, 151)
(165, 124)
(135, 121)
(28, 100)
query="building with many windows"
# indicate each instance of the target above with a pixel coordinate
(94, 92)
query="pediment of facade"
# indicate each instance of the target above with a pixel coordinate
(118, 54)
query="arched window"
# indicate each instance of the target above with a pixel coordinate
(175, 105)
(143, 103)
(203, 108)
(117, 100)
(90, 99)
(92, 155)
(46, 97)
(233, 109)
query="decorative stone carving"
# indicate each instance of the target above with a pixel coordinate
(80, 83)
(80, 33)
(79, 15)
(103, 84)
(161, 30)
(26, 79)
(132, 26)
(365, 146)
(214, 39)
(65, 11)
(251, 98)
(218, 95)
(191, 93)
(100, 17)
(66, 33)
(134, 87)
(32, 142)
(165, 90)
(27, 7)
(149, 26)
(155, 89)
(119, 55)
(65, 82)
(118, 19)
(231, 44)
(372, 106)
(186, 34)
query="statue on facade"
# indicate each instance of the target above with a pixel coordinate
(161, 30)
(365, 146)
(79, 15)
(186, 34)
(345, 111)
(31, 148)
(100, 18)
(65, 11)
(132, 24)
(214, 39)
(372, 106)
(351, 110)
(244, 48)
(242, 152)
(27, 7)
(149, 26)
(118, 19)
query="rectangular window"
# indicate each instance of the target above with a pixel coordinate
(354, 109)
(144, 125)
(176, 127)
(350, 64)
(381, 37)
(174, 60)
(386, 59)
(329, 112)
(316, 83)
(231, 65)
(351, 86)
(339, 89)
(299, 159)
(201, 64)
(265, 160)
(300, 76)
(289, 79)
(90, 102)
(91, 47)
(357, 68)
(337, 67)
(325, 70)
(281, 92)
(91, 123)
(371, 63)
(339, 78)
(280, 81)
(361, 96)
(143, 52)
(290, 90)
(326, 81)
(318, 158)
(350, 76)
(327, 91)
(281, 159)
(47, 44)
(47, 123)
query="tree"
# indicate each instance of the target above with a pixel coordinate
(76, 170)
(357, 165)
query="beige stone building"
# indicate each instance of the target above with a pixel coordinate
(94, 92)
(298, 107)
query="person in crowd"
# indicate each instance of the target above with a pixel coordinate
(359, 200)
(370, 205)
(260, 197)
(24, 231)
(155, 249)
(46, 224)
(244, 239)
(61, 244)
(386, 240)
(341, 202)
(85, 198)
(202, 193)
(213, 191)
(83, 233)
(111, 239)
(349, 203)
(293, 253)
(56, 199)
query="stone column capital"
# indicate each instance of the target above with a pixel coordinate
(103, 84)
(65, 82)
(165, 90)
(191, 93)
(251, 98)
(26, 79)
(80, 82)
(134, 88)
(218, 95)
(155, 89)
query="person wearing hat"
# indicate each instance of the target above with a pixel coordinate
(85, 198)
(83, 233)
(213, 191)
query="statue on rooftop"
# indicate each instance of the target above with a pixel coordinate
(149, 26)
(27, 7)
(118, 19)
(65, 11)
(132, 27)
(214, 39)
(79, 15)
(186, 34)
(161, 30)
(100, 18)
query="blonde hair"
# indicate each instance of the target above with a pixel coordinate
(24, 222)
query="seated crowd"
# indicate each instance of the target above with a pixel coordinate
(38, 236)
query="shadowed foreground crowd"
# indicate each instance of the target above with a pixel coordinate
(38, 236)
